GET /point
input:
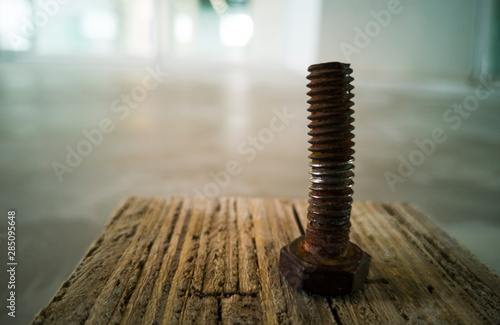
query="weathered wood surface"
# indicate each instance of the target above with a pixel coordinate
(215, 261)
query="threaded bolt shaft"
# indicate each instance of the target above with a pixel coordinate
(332, 161)
(324, 261)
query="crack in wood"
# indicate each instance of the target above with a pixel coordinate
(297, 220)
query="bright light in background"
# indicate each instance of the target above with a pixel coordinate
(99, 25)
(235, 29)
(137, 21)
(183, 28)
(13, 17)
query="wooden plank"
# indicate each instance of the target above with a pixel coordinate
(200, 310)
(115, 292)
(169, 263)
(142, 294)
(215, 261)
(231, 270)
(186, 250)
(206, 237)
(247, 251)
(400, 255)
(241, 310)
(273, 301)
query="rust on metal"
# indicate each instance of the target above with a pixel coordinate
(324, 261)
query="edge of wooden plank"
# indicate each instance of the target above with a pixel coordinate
(487, 275)
(42, 316)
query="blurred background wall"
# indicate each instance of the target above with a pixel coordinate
(217, 73)
(446, 39)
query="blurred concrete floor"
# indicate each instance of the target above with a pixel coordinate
(197, 120)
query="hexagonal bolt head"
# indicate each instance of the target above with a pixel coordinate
(342, 275)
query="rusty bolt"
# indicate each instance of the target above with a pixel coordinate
(324, 261)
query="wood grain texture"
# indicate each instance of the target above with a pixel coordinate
(215, 261)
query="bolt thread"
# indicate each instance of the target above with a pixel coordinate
(332, 161)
